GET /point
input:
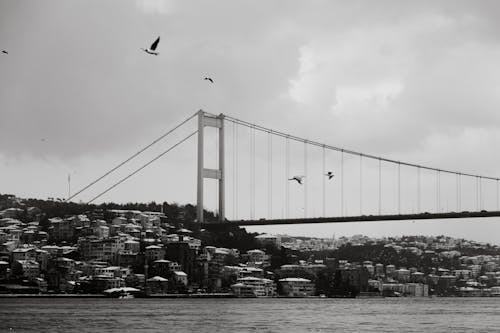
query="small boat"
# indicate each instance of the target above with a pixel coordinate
(125, 295)
(123, 292)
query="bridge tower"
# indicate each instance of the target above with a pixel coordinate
(205, 119)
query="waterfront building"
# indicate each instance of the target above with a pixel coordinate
(157, 285)
(295, 287)
(242, 290)
(261, 287)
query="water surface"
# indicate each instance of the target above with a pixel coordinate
(250, 315)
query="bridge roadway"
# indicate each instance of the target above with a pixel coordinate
(361, 218)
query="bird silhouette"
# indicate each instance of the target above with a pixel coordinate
(152, 48)
(298, 179)
(3, 51)
(329, 174)
(209, 79)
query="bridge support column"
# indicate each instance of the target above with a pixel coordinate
(205, 119)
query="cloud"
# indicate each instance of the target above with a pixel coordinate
(156, 6)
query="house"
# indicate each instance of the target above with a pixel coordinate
(295, 287)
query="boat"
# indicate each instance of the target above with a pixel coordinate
(122, 293)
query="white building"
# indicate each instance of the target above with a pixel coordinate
(296, 287)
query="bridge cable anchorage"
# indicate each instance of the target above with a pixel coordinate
(142, 167)
(131, 157)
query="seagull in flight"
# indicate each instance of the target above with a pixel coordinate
(329, 174)
(209, 79)
(152, 48)
(298, 179)
(3, 51)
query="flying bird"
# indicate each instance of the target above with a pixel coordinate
(209, 79)
(329, 174)
(299, 179)
(3, 51)
(152, 48)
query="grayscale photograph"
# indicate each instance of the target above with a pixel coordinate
(249, 166)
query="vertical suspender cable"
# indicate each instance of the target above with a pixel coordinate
(418, 191)
(477, 194)
(252, 174)
(270, 175)
(324, 180)
(306, 179)
(287, 166)
(216, 197)
(481, 193)
(437, 192)
(399, 188)
(459, 192)
(342, 183)
(360, 184)
(497, 196)
(379, 186)
(456, 184)
(234, 172)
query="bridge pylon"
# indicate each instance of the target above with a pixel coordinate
(206, 119)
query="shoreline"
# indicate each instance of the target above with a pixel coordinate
(215, 295)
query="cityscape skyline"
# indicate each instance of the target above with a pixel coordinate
(415, 82)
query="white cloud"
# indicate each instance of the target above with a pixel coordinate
(156, 6)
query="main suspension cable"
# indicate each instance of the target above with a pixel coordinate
(132, 157)
(142, 167)
(351, 152)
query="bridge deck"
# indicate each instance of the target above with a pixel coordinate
(361, 218)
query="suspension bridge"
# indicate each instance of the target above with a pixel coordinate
(266, 177)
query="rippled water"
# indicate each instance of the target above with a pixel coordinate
(251, 315)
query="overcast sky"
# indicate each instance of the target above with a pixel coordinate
(415, 81)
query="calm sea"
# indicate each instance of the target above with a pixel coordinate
(251, 315)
